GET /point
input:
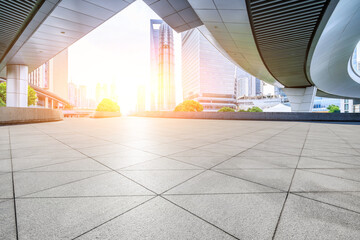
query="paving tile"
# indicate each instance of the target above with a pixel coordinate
(165, 149)
(157, 219)
(306, 181)
(351, 174)
(24, 163)
(198, 153)
(259, 162)
(274, 147)
(223, 149)
(5, 165)
(6, 189)
(348, 200)
(276, 178)
(31, 182)
(85, 164)
(344, 159)
(66, 218)
(201, 161)
(246, 216)
(261, 153)
(213, 182)
(307, 219)
(7, 223)
(160, 180)
(118, 161)
(306, 162)
(161, 164)
(317, 153)
(102, 150)
(109, 184)
(4, 154)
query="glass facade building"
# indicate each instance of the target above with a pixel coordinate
(163, 94)
(207, 76)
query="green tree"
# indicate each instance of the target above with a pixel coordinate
(255, 109)
(226, 109)
(107, 105)
(189, 106)
(32, 97)
(333, 108)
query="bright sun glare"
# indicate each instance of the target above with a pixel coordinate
(118, 53)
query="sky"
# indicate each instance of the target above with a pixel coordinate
(119, 51)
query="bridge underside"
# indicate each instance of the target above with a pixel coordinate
(291, 44)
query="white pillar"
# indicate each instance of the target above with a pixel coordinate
(301, 99)
(46, 101)
(17, 86)
(52, 103)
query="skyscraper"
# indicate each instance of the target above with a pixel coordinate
(162, 66)
(245, 83)
(207, 76)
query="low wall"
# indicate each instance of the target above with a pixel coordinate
(14, 115)
(100, 114)
(270, 116)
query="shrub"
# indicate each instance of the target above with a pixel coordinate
(226, 109)
(242, 110)
(333, 108)
(107, 105)
(255, 109)
(189, 106)
(2, 104)
(32, 97)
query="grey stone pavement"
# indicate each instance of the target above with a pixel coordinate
(147, 178)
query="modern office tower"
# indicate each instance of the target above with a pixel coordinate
(83, 101)
(321, 104)
(162, 66)
(245, 83)
(53, 75)
(207, 76)
(141, 98)
(73, 94)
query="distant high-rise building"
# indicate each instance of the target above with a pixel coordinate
(141, 97)
(162, 66)
(207, 76)
(83, 101)
(53, 75)
(245, 83)
(73, 94)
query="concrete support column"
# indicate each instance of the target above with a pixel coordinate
(46, 101)
(52, 103)
(301, 99)
(17, 86)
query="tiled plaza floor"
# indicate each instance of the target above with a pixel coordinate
(144, 178)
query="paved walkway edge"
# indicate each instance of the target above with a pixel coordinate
(270, 116)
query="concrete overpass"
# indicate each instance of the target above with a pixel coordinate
(303, 45)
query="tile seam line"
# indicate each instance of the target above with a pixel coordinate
(169, 155)
(330, 175)
(283, 130)
(346, 141)
(111, 219)
(13, 187)
(102, 164)
(204, 220)
(292, 179)
(330, 204)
